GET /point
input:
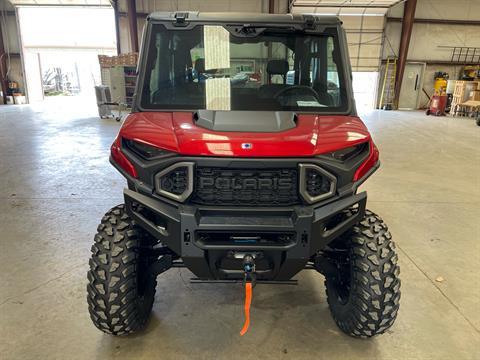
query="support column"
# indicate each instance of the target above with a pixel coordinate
(117, 25)
(271, 10)
(271, 6)
(3, 64)
(407, 26)
(132, 22)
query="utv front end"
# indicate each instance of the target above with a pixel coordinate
(243, 157)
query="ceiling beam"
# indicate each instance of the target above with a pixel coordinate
(354, 6)
(139, 14)
(346, 3)
(437, 21)
(55, 5)
(407, 26)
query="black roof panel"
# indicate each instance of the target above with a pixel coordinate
(244, 18)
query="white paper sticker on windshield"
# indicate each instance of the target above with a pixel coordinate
(310, 103)
(218, 93)
(216, 41)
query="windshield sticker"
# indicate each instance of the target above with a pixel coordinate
(310, 103)
(218, 93)
(217, 47)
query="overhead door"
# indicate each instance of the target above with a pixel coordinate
(363, 21)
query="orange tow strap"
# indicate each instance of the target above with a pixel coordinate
(248, 302)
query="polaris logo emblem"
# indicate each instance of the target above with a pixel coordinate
(247, 146)
(223, 183)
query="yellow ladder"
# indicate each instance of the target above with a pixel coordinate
(388, 88)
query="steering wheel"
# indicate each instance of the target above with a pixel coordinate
(302, 88)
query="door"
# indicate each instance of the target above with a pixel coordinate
(117, 84)
(33, 76)
(411, 86)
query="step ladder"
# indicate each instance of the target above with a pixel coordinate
(388, 87)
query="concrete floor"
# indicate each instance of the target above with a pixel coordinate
(56, 183)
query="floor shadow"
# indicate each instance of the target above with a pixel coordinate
(206, 318)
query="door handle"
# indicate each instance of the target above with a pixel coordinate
(416, 82)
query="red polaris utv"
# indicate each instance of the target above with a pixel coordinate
(243, 156)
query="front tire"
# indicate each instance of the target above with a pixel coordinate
(364, 294)
(120, 290)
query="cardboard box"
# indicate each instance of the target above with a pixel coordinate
(130, 59)
(475, 95)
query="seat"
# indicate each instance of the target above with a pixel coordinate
(274, 67)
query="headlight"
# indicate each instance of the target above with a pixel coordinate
(347, 153)
(147, 152)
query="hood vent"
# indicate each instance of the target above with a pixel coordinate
(246, 121)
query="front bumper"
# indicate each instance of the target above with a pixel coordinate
(212, 240)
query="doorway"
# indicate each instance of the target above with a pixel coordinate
(60, 48)
(364, 90)
(411, 86)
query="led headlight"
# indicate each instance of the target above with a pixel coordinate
(347, 153)
(145, 151)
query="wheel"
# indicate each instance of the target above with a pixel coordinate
(120, 290)
(363, 295)
(427, 112)
(478, 120)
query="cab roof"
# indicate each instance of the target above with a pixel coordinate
(244, 18)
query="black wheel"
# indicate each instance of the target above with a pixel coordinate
(427, 112)
(120, 290)
(363, 295)
(478, 120)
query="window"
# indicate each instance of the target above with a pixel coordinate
(217, 68)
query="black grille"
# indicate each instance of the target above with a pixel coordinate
(250, 187)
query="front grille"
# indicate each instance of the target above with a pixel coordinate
(249, 187)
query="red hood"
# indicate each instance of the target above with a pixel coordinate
(314, 134)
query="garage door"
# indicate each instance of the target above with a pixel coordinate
(363, 21)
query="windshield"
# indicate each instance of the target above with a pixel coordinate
(230, 68)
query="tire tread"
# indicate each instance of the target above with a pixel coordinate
(375, 290)
(114, 305)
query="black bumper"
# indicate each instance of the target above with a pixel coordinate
(212, 240)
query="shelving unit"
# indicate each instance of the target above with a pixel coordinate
(119, 74)
(122, 81)
(130, 81)
(462, 92)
